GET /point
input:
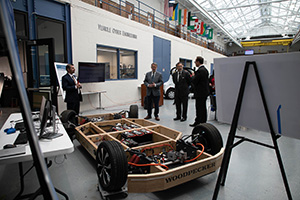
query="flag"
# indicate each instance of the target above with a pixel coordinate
(170, 10)
(175, 12)
(179, 17)
(166, 8)
(197, 27)
(184, 17)
(191, 22)
(210, 33)
(203, 26)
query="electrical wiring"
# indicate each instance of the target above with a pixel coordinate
(198, 155)
(152, 164)
(147, 148)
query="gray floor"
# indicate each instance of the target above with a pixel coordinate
(253, 172)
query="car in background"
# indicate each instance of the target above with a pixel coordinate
(169, 86)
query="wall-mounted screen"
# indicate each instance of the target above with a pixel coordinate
(91, 72)
(249, 52)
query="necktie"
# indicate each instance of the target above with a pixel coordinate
(179, 76)
(74, 79)
(152, 78)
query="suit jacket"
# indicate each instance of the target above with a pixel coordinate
(72, 94)
(182, 85)
(200, 83)
(157, 80)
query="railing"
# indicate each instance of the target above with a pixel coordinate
(145, 14)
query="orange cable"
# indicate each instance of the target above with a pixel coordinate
(198, 155)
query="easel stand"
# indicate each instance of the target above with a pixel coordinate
(232, 134)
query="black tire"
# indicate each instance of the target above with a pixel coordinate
(112, 166)
(68, 116)
(209, 136)
(170, 94)
(133, 111)
(68, 119)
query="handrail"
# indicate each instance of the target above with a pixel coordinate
(158, 22)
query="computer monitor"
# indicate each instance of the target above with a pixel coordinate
(49, 112)
(42, 107)
(45, 111)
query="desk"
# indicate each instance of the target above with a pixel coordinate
(95, 92)
(49, 148)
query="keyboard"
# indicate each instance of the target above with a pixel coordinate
(50, 135)
(21, 139)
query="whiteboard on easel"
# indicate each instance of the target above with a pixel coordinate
(60, 69)
(279, 74)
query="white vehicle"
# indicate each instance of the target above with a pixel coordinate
(169, 86)
(169, 89)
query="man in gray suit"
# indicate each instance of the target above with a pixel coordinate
(153, 80)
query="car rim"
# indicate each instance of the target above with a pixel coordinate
(171, 94)
(104, 166)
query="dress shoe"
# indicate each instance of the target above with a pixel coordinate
(157, 118)
(147, 117)
(177, 118)
(193, 125)
(183, 119)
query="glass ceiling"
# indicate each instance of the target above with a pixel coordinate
(255, 18)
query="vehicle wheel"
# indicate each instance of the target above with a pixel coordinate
(112, 166)
(68, 120)
(170, 94)
(68, 116)
(209, 136)
(133, 111)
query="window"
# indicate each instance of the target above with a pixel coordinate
(48, 28)
(119, 63)
(186, 62)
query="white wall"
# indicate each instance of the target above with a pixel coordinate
(86, 35)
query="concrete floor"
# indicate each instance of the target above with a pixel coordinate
(253, 171)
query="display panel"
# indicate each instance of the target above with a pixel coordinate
(249, 52)
(91, 72)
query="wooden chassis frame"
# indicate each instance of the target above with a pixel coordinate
(90, 134)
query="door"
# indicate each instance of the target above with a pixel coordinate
(162, 56)
(41, 79)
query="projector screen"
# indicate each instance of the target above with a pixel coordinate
(279, 74)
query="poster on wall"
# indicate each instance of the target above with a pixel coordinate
(60, 69)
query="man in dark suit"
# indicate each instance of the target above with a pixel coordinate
(72, 87)
(182, 81)
(201, 91)
(153, 80)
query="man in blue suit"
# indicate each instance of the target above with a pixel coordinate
(153, 81)
(71, 85)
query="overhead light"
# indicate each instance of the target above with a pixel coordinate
(194, 17)
(171, 1)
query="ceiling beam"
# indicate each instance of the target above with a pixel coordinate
(207, 15)
(247, 5)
